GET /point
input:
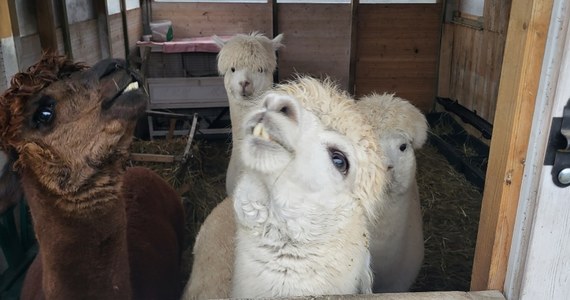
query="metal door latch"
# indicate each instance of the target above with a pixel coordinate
(558, 149)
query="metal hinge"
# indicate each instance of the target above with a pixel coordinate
(558, 149)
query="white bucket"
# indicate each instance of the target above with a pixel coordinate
(161, 30)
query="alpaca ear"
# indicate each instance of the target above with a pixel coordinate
(219, 42)
(421, 134)
(276, 42)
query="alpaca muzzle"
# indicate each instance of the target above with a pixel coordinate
(122, 95)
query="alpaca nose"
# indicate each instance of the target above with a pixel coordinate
(284, 105)
(244, 83)
(108, 66)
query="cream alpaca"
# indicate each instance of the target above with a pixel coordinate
(247, 63)
(308, 242)
(396, 238)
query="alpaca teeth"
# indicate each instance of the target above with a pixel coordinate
(131, 86)
(257, 130)
(260, 132)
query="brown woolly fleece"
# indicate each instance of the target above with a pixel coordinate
(103, 232)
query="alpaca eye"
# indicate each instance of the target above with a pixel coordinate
(45, 113)
(233, 69)
(403, 147)
(260, 70)
(339, 161)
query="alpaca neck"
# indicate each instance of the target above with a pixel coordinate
(83, 254)
(237, 111)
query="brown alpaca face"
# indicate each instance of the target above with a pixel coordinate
(79, 128)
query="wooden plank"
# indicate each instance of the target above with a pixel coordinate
(396, 55)
(445, 55)
(207, 19)
(116, 36)
(317, 41)
(85, 41)
(65, 30)
(496, 15)
(527, 32)
(353, 45)
(5, 20)
(135, 27)
(125, 27)
(102, 27)
(152, 157)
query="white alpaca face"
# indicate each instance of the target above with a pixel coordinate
(246, 83)
(285, 142)
(401, 161)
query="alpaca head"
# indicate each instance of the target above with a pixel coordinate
(310, 139)
(247, 63)
(401, 128)
(67, 124)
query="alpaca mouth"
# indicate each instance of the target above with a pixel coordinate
(264, 138)
(123, 97)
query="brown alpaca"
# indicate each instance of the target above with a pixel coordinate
(103, 232)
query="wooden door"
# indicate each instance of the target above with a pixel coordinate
(539, 263)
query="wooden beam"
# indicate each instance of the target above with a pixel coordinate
(445, 58)
(102, 27)
(125, 28)
(353, 45)
(274, 7)
(45, 14)
(65, 30)
(146, 157)
(5, 20)
(520, 75)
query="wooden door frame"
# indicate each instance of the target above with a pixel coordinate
(520, 75)
(530, 228)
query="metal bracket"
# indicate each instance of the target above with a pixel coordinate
(558, 148)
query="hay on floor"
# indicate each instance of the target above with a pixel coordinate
(450, 206)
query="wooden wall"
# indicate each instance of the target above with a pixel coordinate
(207, 19)
(471, 60)
(85, 41)
(394, 53)
(84, 34)
(317, 40)
(317, 36)
(397, 51)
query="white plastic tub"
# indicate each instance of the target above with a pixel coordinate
(161, 30)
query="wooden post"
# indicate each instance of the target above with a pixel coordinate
(445, 57)
(102, 27)
(5, 20)
(520, 75)
(65, 30)
(46, 25)
(125, 28)
(353, 45)
(275, 31)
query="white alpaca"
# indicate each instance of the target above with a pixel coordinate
(396, 238)
(314, 176)
(247, 63)
(302, 213)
